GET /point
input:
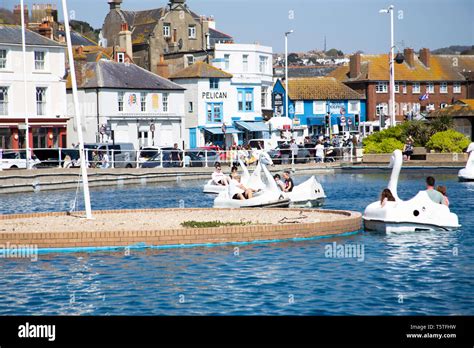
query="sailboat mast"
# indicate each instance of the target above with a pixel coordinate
(27, 123)
(85, 180)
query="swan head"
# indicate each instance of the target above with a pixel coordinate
(266, 159)
(396, 158)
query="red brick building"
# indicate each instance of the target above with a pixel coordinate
(443, 79)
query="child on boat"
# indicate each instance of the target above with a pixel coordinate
(443, 190)
(386, 196)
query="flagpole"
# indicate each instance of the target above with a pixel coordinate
(23, 45)
(392, 70)
(85, 180)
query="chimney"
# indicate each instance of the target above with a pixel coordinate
(125, 40)
(45, 29)
(354, 66)
(115, 4)
(17, 14)
(409, 57)
(162, 68)
(425, 56)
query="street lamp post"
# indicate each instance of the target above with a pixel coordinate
(286, 72)
(391, 105)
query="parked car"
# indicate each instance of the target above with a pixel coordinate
(148, 152)
(197, 158)
(163, 157)
(122, 156)
(50, 157)
(282, 154)
(16, 159)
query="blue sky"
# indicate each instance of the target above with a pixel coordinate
(349, 25)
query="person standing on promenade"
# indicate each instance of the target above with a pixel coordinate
(294, 149)
(176, 158)
(319, 152)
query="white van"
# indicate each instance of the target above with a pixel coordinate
(16, 159)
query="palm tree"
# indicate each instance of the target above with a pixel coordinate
(441, 123)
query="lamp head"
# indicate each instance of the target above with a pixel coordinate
(289, 32)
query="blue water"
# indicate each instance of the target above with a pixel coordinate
(426, 273)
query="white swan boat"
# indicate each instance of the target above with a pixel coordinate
(467, 173)
(417, 214)
(213, 188)
(268, 196)
(307, 194)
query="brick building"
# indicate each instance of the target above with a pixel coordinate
(173, 31)
(423, 82)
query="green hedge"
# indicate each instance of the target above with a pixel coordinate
(385, 146)
(448, 142)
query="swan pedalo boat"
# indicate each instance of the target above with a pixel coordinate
(467, 173)
(268, 194)
(417, 214)
(307, 194)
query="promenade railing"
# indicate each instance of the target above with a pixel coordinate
(43, 158)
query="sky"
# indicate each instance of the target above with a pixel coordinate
(349, 25)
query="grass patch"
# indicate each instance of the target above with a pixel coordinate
(210, 224)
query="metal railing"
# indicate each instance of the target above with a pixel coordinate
(112, 158)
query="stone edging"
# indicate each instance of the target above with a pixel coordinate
(349, 222)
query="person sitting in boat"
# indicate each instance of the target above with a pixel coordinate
(280, 184)
(238, 191)
(218, 177)
(289, 184)
(386, 196)
(443, 190)
(234, 171)
(434, 195)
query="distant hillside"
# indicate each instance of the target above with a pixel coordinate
(455, 49)
(85, 29)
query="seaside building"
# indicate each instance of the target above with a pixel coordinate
(423, 82)
(173, 32)
(122, 102)
(235, 92)
(462, 111)
(45, 103)
(310, 100)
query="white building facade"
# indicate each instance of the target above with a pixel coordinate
(127, 104)
(44, 103)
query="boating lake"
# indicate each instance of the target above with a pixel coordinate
(423, 273)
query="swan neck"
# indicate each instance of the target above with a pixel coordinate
(393, 184)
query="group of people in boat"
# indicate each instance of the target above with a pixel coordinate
(237, 190)
(438, 195)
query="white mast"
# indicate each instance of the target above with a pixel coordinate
(23, 44)
(85, 180)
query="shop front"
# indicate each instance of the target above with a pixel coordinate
(41, 136)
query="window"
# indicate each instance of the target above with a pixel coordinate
(263, 64)
(245, 99)
(3, 59)
(429, 87)
(39, 60)
(121, 57)
(416, 87)
(120, 101)
(214, 112)
(416, 108)
(381, 109)
(3, 100)
(430, 107)
(381, 87)
(397, 87)
(190, 107)
(404, 87)
(443, 87)
(190, 60)
(226, 61)
(299, 107)
(456, 87)
(354, 107)
(214, 83)
(192, 31)
(166, 30)
(245, 62)
(143, 102)
(40, 101)
(165, 102)
(319, 107)
(264, 96)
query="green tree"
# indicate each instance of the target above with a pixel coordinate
(441, 123)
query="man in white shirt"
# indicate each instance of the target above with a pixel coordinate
(319, 152)
(218, 177)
